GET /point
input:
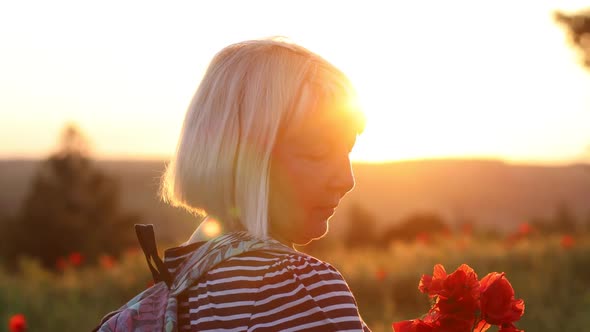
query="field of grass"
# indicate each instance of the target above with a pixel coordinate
(553, 278)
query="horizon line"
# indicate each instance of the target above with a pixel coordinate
(507, 161)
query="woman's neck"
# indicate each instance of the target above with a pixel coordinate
(210, 228)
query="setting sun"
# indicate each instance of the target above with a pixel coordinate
(487, 91)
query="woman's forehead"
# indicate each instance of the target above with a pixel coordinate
(323, 124)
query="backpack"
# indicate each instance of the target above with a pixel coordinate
(155, 309)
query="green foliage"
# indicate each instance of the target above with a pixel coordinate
(74, 300)
(554, 282)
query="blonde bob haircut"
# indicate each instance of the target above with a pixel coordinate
(251, 93)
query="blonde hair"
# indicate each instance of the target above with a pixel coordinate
(251, 92)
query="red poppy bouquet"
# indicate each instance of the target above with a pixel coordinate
(462, 303)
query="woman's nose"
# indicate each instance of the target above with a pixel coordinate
(342, 180)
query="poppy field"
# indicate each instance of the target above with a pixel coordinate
(550, 273)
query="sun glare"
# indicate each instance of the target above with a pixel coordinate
(211, 228)
(456, 105)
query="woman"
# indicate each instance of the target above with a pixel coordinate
(264, 148)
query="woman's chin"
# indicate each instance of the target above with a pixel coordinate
(315, 232)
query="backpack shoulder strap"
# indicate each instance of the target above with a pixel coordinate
(217, 250)
(147, 241)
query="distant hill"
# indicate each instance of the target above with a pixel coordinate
(492, 193)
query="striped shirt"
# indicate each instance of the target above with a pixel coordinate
(266, 291)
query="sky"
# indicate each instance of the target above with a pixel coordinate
(436, 79)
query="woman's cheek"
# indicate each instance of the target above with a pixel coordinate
(294, 177)
(316, 174)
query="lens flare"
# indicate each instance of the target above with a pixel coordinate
(212, 228)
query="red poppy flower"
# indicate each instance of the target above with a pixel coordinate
(17, 323)
(432, 285)
(415, 325)
(498, 305)
(567, 241)
(106, 262)
(482, 326)
(450, 323)
(423, 238)
(524, 229)
(462, 303)
(457, 293)
(380, 274)
(460, 293)
(435, 321)
(76, 258)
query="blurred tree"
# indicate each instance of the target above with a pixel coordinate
(361, 227)
(8, 250)
(410, 227)
(72, 206)
(578, 26)
(564, 220)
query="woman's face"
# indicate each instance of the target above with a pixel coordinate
(310, 173)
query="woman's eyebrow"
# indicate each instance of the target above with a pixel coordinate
(326, 130)
(310, 141)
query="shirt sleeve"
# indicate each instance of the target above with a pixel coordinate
(265, 291)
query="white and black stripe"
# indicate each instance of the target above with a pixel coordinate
(266, 291)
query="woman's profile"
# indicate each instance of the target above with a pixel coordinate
(264, 149)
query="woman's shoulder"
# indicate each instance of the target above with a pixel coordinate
(268, 264)
(276, 271)
(275, 258)
(275, 289)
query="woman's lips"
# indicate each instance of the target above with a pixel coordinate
(326, 211)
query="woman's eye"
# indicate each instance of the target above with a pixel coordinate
(326, 153)
(318, 155)
(317, 152)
